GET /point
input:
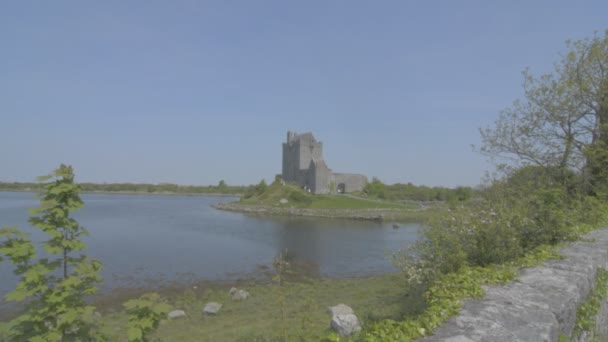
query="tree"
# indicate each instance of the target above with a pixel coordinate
(562, 122)
(145, 314)
(54, 286)
(375, 188)
(222, 186)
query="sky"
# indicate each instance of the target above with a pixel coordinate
(193, 92)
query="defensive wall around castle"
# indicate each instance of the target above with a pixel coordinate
(541, 305)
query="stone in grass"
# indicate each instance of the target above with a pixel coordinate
(345, 324)
(240, 295)
(340, 309)
(212, 308)
(176, 314)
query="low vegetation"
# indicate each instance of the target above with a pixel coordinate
(139, 188)
(553, 190)
(410, 192)
(586, 314)
(292, 311)
(296, 197)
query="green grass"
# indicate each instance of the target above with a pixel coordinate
(259, 318)
(297, 198)
(346, 202)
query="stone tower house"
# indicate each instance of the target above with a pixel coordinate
(303, 164)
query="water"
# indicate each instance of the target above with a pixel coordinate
(144, 239)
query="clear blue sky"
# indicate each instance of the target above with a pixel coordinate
(191, 92)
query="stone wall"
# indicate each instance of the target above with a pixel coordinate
(303, 164)
(352, 182)
(540, 306)
(320, 174)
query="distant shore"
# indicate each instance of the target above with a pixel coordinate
(160, 193)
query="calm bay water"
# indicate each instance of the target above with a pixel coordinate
(143, 239)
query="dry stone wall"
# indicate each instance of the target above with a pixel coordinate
(540, 306)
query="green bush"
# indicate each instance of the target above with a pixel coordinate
(510, 225)
(299, 197)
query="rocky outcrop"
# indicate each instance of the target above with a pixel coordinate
(540, 306)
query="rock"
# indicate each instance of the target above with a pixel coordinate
(176, 314)
(240, 295)
(212, 308)
(340, 309)
(395, 226)
(283, 201)
(345, 324)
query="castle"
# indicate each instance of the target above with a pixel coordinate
(303, 164)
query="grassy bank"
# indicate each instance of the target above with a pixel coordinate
(298, 309)
(289, 200)
(276, 193)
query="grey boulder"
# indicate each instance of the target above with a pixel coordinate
(237, 294)
(176, 314)
(212, 308)
(345, 324)
(340, 309)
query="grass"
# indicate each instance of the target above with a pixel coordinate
(298, 198)
(259, 318)
(347, 202)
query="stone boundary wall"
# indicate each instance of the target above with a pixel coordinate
(539, 306)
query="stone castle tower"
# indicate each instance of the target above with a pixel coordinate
(303, 164)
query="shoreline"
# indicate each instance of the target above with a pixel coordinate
(371, 214)
(108, 300)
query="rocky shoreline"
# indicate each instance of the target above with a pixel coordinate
(378, 215)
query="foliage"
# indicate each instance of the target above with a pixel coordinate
(411, 192)
(563, 120)
(145, 314)
(445, 293)
(507, 221)
(145, 188)
(54, 287)
(509, 226)
(587, 312)
(282, 270)
(298, 198)
(257, 190)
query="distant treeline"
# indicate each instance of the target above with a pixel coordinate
(409, 191)
(221, 188)
(377, 189)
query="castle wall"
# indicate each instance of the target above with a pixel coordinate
(352, 182)
(309, 149)
(303, 164)
(321, 175)
(291, 160)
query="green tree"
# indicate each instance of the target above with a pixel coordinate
(54, 286)
(145, 314)
(375, 188)
(562, 122)
(222, 187)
